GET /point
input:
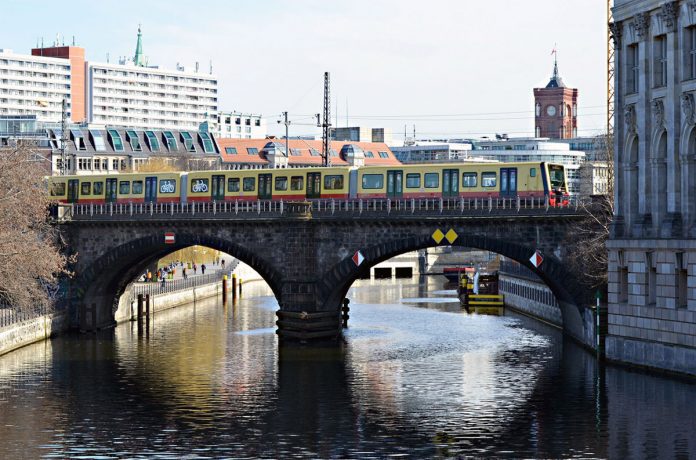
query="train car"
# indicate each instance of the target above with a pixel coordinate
(118, 188)
(466, 180)
(268, 184)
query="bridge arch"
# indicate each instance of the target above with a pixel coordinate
(105, 279)
(570, 293)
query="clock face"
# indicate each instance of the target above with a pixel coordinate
(551, 110)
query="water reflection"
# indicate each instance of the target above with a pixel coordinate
(419, 379)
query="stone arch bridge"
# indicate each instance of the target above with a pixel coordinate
(304, 251)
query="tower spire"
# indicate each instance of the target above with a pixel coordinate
(138, 59)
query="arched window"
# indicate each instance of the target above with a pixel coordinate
(538, 109)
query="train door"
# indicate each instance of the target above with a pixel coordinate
(450, 183)
(218, 188)
(395, 184)
(265, 184)
(508, 182)
(314, 185)
(73, 190)
(151, 189)
(111, 190)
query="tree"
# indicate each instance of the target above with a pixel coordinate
(30, 258)
(588, 253)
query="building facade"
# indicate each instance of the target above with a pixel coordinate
(34, 85)
(434, 152)
(362, 134)
(239, 125)
(556, 109)
(652, 249)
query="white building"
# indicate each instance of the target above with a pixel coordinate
(237, 125)
(33, 85)
(535, 149)
(434, 151)
(149, 98)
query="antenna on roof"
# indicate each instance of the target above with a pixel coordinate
(73, 40)
(211, 67)
(107, 58)
(196, 66)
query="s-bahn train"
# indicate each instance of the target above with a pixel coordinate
(460, 180)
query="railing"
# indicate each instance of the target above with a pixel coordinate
(156, 287)
(508, 267)
(321, 208)
(10, 315)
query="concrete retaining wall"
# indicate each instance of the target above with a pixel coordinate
(532, 298)
(30, 331)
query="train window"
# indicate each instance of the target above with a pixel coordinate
(335, 182)
(124, 187)
(249, 184)
(137, 187)
(532, 172)
(167, 186)
(432, 180)
(197, 186)
(58, 189)
(412, 180)
(98, 188)
(488, 179)
(281, 183)
(469, 179)
(86, 188)
(297, 183)
(233, 184)
(373, 181)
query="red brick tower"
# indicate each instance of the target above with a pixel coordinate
(556, 109)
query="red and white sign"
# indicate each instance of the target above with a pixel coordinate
(358, 258)
(536, 258)
(169, 238)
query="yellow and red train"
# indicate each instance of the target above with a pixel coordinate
(459, 180)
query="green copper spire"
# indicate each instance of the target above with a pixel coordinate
(139, 59)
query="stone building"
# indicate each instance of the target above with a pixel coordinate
(652, 250)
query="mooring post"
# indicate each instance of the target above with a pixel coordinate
(345, 309)
(234, 287)
(224, 289)
(240, 287)
(147, 308)
(140, 307)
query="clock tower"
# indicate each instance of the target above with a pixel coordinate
(556, 109)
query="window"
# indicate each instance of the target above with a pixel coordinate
(334, 182)
(314, 152)
(233, 184)
(170, 140)
(383, 155)
(199, 186)
(334, 153)
(187, 139)
(98, 188)
(137, 187)
(690, 64)
(231, 150)
(488, 179)
(249, 184)
(373, 181)
(413, 180)
(124, 187)
(167, 186)
(79, 139)
(660, 62)
(281, 183)
(252, 151)
(532, 172)
(295, 152)
(296, 183)
(58, 189)
(632, 68)
(132, 138)
(369, 154)
(207, 143)
(431, 180)
(97, 140)
(469, 179)
(152, 142)
(86, 188)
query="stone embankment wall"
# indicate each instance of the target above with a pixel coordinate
(532, 298)
(33, 330)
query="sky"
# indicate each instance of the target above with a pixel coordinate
(452, 68)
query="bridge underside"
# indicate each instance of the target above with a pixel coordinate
(308, 263)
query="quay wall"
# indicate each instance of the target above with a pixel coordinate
(530, 297)
(32, 330)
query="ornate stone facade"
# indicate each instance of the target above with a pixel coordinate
(652, 251)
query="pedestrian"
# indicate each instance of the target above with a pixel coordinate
(195, 268)
(203, 269)
(223, 264)
(183, 272)
(163, 281)
(149, 276)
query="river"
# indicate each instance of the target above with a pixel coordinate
(416, 378)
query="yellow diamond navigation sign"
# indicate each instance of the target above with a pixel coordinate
(451, 236)
(438, 236)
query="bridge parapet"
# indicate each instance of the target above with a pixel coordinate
(321, 209)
